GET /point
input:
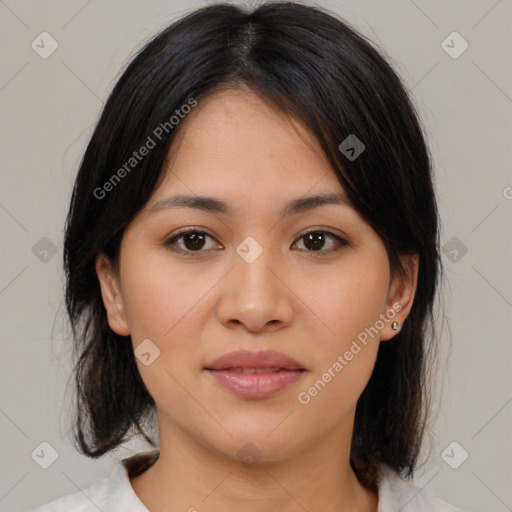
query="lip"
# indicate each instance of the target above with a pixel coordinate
(228, 370)
(249, 359)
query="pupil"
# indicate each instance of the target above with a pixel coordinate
(196, 239)
(315, 238)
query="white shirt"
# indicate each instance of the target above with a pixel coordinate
(115, 494)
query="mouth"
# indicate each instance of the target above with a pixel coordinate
(255, 375)
(267, 360)
(255, 370)
(255, 383)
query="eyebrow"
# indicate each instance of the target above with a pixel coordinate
(212, 205)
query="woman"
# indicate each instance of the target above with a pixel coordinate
(252, 255)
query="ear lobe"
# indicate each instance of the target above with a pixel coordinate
(401, 295)
(111, 295)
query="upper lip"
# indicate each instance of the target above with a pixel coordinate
(249, 359)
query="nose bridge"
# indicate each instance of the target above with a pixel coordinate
(252, 261)
(253, 295)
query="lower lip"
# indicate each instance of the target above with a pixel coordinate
(255, 385)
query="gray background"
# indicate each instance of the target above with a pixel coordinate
(48, 110)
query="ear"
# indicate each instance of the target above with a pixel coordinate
(400, 295)
(111, 295)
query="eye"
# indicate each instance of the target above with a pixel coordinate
(193, 241)
(315, 240)
(190, 241)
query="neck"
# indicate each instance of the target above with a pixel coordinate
(192, 477)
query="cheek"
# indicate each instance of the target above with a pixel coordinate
(349, 305)
(159, 298)
(167, 306)
(350, 299)
(159, 303)
(343, 360)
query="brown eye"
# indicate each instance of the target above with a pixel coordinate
(315, 241)
(192, 241)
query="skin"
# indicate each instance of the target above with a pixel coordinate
(240, 149)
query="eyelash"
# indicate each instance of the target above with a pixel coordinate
(171, 242)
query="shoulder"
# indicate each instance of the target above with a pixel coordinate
(113, 493)
(395, 493)
(92, 499)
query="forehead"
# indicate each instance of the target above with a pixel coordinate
(239, 144)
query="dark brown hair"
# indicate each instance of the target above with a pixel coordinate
(315, 67)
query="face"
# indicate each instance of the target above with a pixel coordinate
(312, 282)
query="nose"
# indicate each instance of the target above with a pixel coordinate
(255, 295)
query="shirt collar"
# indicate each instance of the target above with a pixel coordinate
(122, 497)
